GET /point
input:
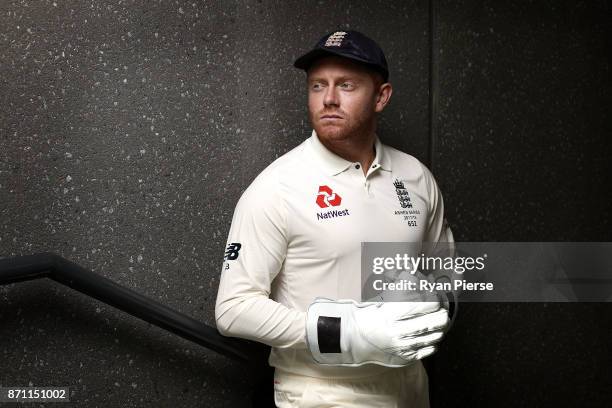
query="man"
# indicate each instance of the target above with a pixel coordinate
(291, 277)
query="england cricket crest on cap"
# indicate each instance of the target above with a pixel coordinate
(335, 39)
(402, 194)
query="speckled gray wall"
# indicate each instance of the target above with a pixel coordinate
(129, 130)
(118, 150)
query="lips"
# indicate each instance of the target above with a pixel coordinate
(331, 116)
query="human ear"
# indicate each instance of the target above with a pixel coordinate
(383, 95)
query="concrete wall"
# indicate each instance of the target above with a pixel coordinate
(130, 129)
(523, 154)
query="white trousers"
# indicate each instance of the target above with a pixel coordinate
(404, 387)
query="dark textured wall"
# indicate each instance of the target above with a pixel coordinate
(523, 154)
(524, 120)
(130, 129)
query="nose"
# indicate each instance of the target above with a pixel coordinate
(331, 97)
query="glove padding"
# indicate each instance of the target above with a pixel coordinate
(392, 334)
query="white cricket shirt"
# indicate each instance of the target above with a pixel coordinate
(296, 234)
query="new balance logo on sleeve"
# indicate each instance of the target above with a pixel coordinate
(231, 253)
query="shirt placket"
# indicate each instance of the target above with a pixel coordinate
(364, 180)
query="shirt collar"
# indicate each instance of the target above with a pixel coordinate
(382, 159)
(333, 164)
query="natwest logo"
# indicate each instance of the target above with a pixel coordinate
(327, 198)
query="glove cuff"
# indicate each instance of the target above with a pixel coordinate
(324, 329)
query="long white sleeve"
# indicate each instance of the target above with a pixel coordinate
(255, 252)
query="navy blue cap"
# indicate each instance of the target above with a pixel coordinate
(349, 44)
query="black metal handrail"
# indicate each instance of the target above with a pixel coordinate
(52, 266)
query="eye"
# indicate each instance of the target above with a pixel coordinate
(347, 85)
(316, 86)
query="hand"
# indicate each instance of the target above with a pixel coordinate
(448, 300)
(393, 334)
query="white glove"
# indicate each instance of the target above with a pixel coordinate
(448, 300)
(392, 334)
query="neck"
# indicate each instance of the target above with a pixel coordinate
(355, 149)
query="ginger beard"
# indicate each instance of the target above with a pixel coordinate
(355, 125)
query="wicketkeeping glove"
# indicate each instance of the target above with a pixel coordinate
(392, 334)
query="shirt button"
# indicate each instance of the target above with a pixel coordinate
(357, 166)
(374, 166)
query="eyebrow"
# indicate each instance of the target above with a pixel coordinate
(340, 79)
